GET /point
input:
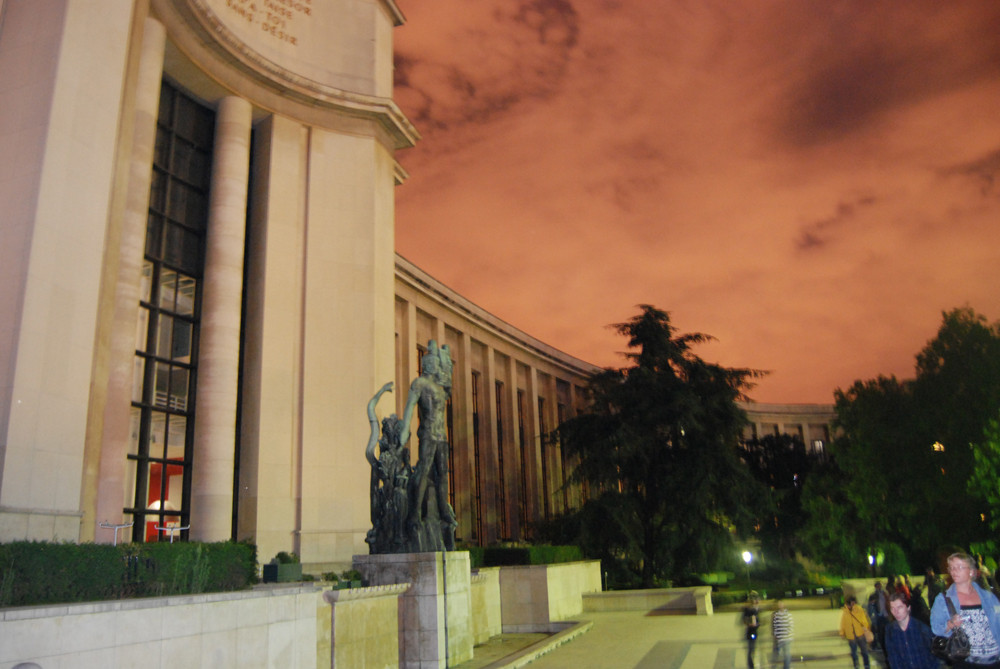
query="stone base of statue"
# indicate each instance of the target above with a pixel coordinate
(435, 613)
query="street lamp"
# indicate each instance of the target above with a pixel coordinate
(748, 558)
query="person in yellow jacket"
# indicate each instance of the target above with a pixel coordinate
(855, 627)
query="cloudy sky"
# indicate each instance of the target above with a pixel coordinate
(812, 182)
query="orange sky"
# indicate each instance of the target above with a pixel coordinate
(812, 182)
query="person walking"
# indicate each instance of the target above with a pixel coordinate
(782, 629)
(977, 612)
(918, 607)
(854, 623)
(907, 640)
(932, 585)
(878, 609)
(751, 624)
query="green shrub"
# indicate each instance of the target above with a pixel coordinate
(895, 559)
(34, 573)
(193, 567)
(476, 554)
(526, 555)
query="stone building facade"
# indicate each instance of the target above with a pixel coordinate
(200, 289)
(812, 423)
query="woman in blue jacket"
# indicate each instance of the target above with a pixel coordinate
(977, 613)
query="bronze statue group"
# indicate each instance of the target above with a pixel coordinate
(410, 512)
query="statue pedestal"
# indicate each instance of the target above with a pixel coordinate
(435, 614)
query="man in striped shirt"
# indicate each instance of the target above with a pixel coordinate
(782, 628)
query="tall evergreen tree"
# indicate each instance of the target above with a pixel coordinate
(659, 445)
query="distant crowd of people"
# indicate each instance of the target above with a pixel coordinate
(898, 620)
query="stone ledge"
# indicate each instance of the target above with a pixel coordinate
(696, 600)
(351, 594)
(140, 603)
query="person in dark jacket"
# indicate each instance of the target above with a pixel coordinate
(918, 607)
(751, 624)
(933, 585)
(907, 640)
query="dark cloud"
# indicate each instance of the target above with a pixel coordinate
(818, 233)
(867, 61)
(554, 21)
(516, 52)
(984, 170)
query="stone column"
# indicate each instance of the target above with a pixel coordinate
(465, 466)
(489, 451)
(534, 502)
(514, 501)
(409, 362)
(109, 486)
(219, 344)
(545, 423)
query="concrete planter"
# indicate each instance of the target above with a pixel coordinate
(282, 572)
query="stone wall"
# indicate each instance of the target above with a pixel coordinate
(266, 627)
(533, 596)
(365, 627)
(302, 626)
(485, 604)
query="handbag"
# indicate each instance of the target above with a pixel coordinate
(869, 637)
(951, 648)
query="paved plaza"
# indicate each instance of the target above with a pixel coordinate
(644, 640)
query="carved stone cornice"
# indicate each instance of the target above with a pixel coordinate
(198, 33)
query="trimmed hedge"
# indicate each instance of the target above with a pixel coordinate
(527, 555)
(33, 573)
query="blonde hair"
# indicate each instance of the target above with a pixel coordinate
(966, 558)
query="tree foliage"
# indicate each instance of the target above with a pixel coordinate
(783, 465)
(903, 457)
(983, 483)
(831, 532)
(658, 445)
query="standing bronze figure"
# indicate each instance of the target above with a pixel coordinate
(410, 509)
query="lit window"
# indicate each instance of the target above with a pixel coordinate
(165, 363)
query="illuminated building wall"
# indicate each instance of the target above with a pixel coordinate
(201, 290)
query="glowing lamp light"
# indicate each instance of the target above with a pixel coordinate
(938, 447)
(747, 557)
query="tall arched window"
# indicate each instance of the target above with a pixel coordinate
(165, 368)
